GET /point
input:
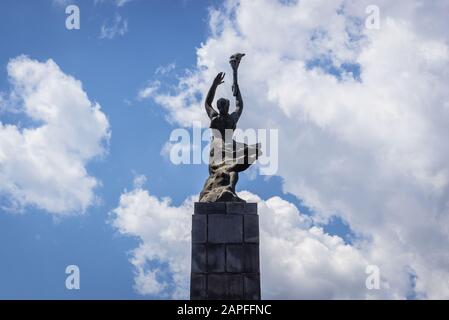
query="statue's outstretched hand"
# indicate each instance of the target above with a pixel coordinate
(219, 78)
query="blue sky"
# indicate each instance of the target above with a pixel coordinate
(35, 247)
(362, 176)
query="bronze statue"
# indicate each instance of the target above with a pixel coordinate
(227, 157)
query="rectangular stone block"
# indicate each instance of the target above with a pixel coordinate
(216, 258)
(251, 258)
(224, 228)
(251, 228)
(252, 286)
(234, 258)
(216, 286)
(241, 207)
(210, 207)
(199, 228)
(225, 286)
(234, 287)
(197, 287)
(199, 258)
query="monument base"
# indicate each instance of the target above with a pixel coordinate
(225, 251)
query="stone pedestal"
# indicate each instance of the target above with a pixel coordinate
(225, 251)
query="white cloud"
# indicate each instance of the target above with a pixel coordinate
(165, 69)
(372, 149)
(45, 165)
(121, 3)
(149, 90)
(117, 3)
(298, 259)
(164, 233)
(61, 2)
(139, 181)
(117, 27)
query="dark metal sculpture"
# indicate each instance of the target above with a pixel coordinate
(227, 157)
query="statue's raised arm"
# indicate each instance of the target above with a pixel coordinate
(234, 60)
(211, 94)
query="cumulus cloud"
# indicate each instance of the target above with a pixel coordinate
(298, 259)
(164, 234)
(362, 118)
(44, 165)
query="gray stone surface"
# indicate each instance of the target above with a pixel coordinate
(216, 286)
(210, 207)
(234, 288)
(199, 258)
(234, 258)
(198, 287)
(223, 228)
(199, 228)
(225, 286)
(241, 207)
(251, 228)
(251, 258)
(242, 258)
(252, 287)
(216, 257)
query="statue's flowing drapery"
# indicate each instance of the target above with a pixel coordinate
(227, 157)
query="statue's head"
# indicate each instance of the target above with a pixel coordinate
(223, 106)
